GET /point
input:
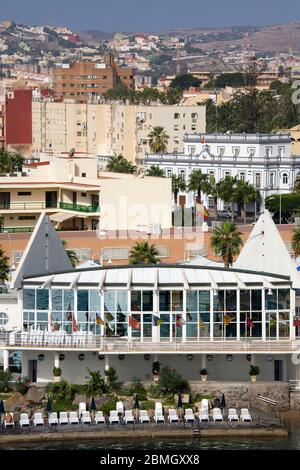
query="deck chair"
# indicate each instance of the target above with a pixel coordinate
(189, 416)
(217, 415)
(99, 417)
(86, 417)
(24, 420)
(173, 416)
(144, 417)
(9, 421)
(53, 420)
(113, 417)
(120, 407)
(128, 418)
(232, 415)
(82, 408)
(63, 418)
(73, 417)
(38, 419)
(203, 415)
(245, 415)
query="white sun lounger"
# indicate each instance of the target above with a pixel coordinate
(158, 407)
(24, 420)
(159, 417)
(73, 417)
(9, 421)
(128, 418)
(53, 419)
(203, 415)
(82, 408)
(217, 415)
(245, 415)
(189, 415)
(173, 416)
(63, 418)
(38, 419)
(113, 417)
(120, 407)
(99, 417)
(86, 417)
(204, 404)
(232, 415)
(144, 417)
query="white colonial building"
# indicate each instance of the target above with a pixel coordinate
(264, 160)
(185, 316)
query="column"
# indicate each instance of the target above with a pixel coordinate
(106, 366)
(56, 359)
(203, 361)
(184, 316)
(263, 315)
(211, 317)
(292, 313)
(5, 359)
(238, 316)
(155, 329)
(129, 310)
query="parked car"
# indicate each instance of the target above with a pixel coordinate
(224, 214)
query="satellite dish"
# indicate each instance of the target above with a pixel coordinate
(71, 153)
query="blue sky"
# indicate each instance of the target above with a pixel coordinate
(150, 15)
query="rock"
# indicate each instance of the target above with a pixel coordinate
(100, 401)
(16, 402)
(35, 395)
(79, 399)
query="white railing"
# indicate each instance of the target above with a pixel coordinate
(38, 339)
(295, 385)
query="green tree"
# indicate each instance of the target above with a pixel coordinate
(226, 242)
(246, 193)
(170, 381)
(95, 384)
(154, 170)
(73, 258)
(297, 184)
(119, 164)
(10, 162)
(296, 241)
(199, 183)
(111, 379)
(4, 266)
(234, 79)
(158, 140)
(143, 253)
(178, 184)
(227, 192)
(185, 81)
(120, 93)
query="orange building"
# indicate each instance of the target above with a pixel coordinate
(85, 80)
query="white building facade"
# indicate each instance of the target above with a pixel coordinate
(263, 160)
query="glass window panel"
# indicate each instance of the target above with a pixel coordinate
(218, 317)
(69, 299)
(136, 301)
(122, 301)
(109, 301)
(218, 330)
(191, 317)
(165, 301)
(191, 330)
(81, 317)
(256, 330)
(284, 329)
(256, 316)
(42, 316)
(204, 331)
(283, 299)
(165, 330)
(147, 301)
(95, 301)
(122, 329)
(28, 298)
(147, 318)
(83, 300)
(219, 300)
(165, 317)
(56, 299)
(204, 300)
(147, 330)
(177, 301)
(284, 316)
(57, 316)
(231, 330)
(256, 300)
(191, 301)
(205, 316)
(231, 300)
(271, 299)
(245, 300)
(42, 299)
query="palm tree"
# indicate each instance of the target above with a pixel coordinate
(158, 140)
(10, 162)
(199, 182)
(296, 242)
(226, 242)
(245, 194)
(119, 164)
(227, 192)
(213, 191)
(4, 266)
(297, 184)
(154, 170)
(73, 258)
(143, 253)
(178, 184)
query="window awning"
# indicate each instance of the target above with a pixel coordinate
(61, 217)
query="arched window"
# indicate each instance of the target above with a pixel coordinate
(3, 318)
(285, 178)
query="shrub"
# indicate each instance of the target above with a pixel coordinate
(110, 405)
(137, 388)
(5, 377)
(56, 371)
(171, 381)
(95, 385)
(147, 405)
(124, 392)
(59, 390)
(64, 405)
(111, 379)
(254, 370)
(154, 391)
(22, 385)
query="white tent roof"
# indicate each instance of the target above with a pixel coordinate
(265, 251)
(202, 261)
(44, 253)
(88, 264)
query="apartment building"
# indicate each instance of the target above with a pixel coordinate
(105, 129)
(86, 80)
(76, 197)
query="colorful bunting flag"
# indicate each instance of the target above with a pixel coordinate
(227, 320)
(179, 321)
(249, 322)
(99, 320)
(134, 323)
(157, 321)
(108, 316)
(74, 323)
(201, 209)
(296, 321)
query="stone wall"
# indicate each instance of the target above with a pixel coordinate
(295, 401)
(245, 394)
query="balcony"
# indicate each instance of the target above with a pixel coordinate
(39, 205)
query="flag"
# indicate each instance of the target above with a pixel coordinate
(201, 210)
(157, 321)
(135, 308)
(250, 323)
(50, 321)
(99, 320)
(87, 316)
(296, 321)
(133, 322)
(227, 320)
(201, 323)
(188, 316)
(108, 316)
(74, 323)
(179, 321)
